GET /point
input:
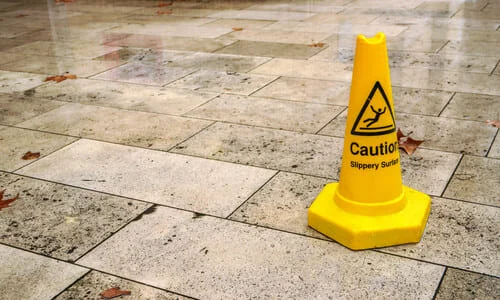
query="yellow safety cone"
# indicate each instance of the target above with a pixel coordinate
(370, 207)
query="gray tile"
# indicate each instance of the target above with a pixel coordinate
(268, 148)
(202, 185)
(458, 234)
(282, 204)
(16, 108)
(279, 114)
(270, 49)
(419, 101)
(141, 73)
(473, 107)
(171, 30)
(52, 65)
(59, 221)
(261, 15)
(451, 81)
(306, 69)
(458, 284)
(220, 82)
(463, 63)
(16, 142)
(28, 276)
(475, 180)
(453, 34)
(94, 283)
(117, 125)
(18, 82)
(416, 44)
(278, 36)
(6, 57)
(124, 95)
(238, 23)
(218, 62)
(351, 30)
(221, 259)
(307, 90)
(65, 49)
(314, 6)
(341, 18)
(153, 57)
(170, 20)
(172, 42)
(495, 148)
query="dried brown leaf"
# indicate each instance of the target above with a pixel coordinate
(64, 1)
(21, 16)
(59, 78)
(31, 155)
(237, 29)
(5, 203)
(164, 4)
(114, 292)
(319, 45)
(494, 123)
(408, 144)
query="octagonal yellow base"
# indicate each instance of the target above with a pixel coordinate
(358, 231)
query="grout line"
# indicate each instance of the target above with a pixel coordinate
(251, 196)
(496, 138)
(188, 138)
(451, 176)
(446, 105)
(439, 284)
(265, 85)
(442, 47)
(72, 284)
(329, 122)
(494, 69)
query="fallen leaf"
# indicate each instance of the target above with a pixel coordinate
(163, 4)
(114, 292)
(237, 29)
(5, 203)
(167, 12)
(64, 1)
(59, 78)
(319, 45)
(494, 123)
(21, 16)
(406, 143)
(31, 155)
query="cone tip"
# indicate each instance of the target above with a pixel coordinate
(377, 39)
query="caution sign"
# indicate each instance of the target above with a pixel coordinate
(376, 116)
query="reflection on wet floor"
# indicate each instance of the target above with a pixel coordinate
(181, 161)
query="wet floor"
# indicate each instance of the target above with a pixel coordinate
(181, 161)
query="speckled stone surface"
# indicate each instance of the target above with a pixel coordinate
(266, 112)
(60, 221)
(473, 107)
(29, 276)
(458, 284)
(225, 259)
(476, 179)
(18, 82)
(205, 186)
(94, 283)
(136, 128)
(19, 107)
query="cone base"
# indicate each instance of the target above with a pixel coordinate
(357, 231)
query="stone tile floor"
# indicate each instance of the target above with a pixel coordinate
(181, 162)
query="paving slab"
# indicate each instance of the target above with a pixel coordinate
(460, 34)
(458, 284)
(218, 62)
(472, 226)
(163, 30)
(307, 90)
(29, 276)
(261, 15)
(495, 148)
(223, 82)
(278, 36)
(306, 69)
(238, 23)
(18, 82)
(268, 148)
(172, 42)
(52, 65)
(270, 49)
(94, 283)
(467, 47)
(473, 107)
(265, 112)
(124, 95)
(16, 142)
(475, 180)
(224, 259)
(202, 185)
(64, 49)
(16, 107)
(60, 221)
(134, 128)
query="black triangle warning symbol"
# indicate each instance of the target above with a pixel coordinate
(376, 116)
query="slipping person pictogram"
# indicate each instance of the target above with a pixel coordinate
(374, 120)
